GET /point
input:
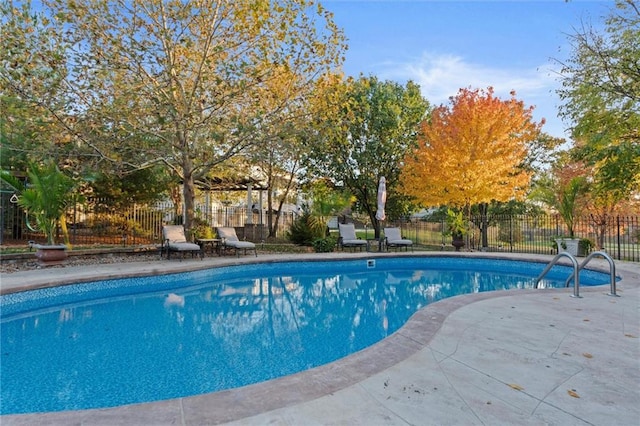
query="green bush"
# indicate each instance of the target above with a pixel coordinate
(201, 229)
(303, 231)
(324, 245)
(585, 245)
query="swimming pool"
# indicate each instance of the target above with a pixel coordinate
(116, 342)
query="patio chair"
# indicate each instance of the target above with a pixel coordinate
(231, 240)
(174, 239)
(393, 238)
(348, 237)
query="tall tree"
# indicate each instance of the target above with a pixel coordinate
(175, 82)
(32, 56)
(278, 154)
(601, 94)
(472, 151)
(365, 127)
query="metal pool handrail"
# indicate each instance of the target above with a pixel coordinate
(576, 282)
(612, 271)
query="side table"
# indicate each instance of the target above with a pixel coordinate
(372, 242)
(213, 244)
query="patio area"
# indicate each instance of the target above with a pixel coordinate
(511, 357)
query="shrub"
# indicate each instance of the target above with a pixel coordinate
(324, 245)
(303, 231)
(585, 245)
(201, 229)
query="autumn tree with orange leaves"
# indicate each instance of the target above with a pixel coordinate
(472, 151)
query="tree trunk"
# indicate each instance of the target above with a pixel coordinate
(484, 224)
(376, 224)
(189, 192)
(270, 212)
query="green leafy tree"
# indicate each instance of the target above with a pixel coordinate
(564, 188)
(138, 187)
(364, 129)
(32, 57)
(173, 83)
(278, 155)
(601, 94)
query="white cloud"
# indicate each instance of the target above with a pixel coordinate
(441, 76)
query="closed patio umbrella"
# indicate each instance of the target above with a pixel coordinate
(382, 198)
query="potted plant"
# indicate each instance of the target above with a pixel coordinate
(200, 229)
(457, 228)
(46, 198)
(585, 245)
(566, 197)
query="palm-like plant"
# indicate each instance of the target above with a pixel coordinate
(311, 227)
(326, 202)
(457, 226)
(564, 196)
(46, 198)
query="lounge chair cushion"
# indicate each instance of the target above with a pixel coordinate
(230, 239)
(240, 244)
(183, 246)
(174, 238)
(394, 238)
(348, 235)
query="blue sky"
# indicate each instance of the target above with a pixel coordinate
(447, 45)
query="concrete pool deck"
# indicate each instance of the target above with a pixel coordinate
(511, 357)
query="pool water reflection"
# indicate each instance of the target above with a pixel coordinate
(144, 339)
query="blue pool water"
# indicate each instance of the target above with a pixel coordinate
(117, 342)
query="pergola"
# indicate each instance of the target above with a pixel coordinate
(230, 184)
(248, 184)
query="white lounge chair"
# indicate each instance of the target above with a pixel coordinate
(231, 240)
(393, 238)
(174, 239)
(348, 237)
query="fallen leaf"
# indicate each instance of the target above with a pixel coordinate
(573, 393)
(631, 335)
(587, 355)
(586, 320)
(516, 387)
(556, 298)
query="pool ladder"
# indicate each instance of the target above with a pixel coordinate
(575, 275)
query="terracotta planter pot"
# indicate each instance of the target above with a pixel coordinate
(51, 255)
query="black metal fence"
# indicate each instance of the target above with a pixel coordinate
(97, 222)
(619, 236)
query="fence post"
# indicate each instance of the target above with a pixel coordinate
(135, 221)
(618, 237)
(510, 233)
(75, 222)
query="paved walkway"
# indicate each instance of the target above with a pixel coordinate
(534, 357)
